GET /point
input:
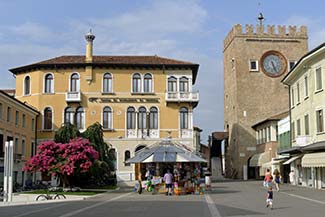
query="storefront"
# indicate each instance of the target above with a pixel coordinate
(314, 164)
(155, 160)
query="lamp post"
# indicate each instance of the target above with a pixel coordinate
(8, 169)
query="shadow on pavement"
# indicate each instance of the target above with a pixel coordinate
(232, 211)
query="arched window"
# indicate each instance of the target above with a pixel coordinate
(127, 156)
(142, 118)
(153, 123)
(130, 118)
(27, 85)
(48, 83)
(136, 83)
(48, 118)
(107, 118)
(107, 83)
(80, 118)
(74, 83)
(183, 84)
(172, 84)
(68, 115)
(183, 118)
(147, 86)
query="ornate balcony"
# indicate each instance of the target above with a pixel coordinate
(132, 133)
(73, 97)
(182, 96)
(303, 140)
(186, 133)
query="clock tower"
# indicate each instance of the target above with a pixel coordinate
(255, 60)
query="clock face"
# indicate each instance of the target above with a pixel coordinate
(273, 63)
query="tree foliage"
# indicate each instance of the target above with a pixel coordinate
(63, 159)
(66, 133)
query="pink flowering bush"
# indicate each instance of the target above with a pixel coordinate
(63, 160)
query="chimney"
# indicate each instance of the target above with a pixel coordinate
(89, 47)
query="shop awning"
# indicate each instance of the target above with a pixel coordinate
(165, 152)
(313, 160)
(274, 162)
(292, 159)
(258, 160)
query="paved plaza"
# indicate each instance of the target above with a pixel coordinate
(231, 198)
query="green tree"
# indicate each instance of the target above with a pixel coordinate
(66, 133)
(104, 167)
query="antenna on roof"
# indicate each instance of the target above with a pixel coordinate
(260, 15)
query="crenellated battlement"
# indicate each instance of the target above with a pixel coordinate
(271, 31)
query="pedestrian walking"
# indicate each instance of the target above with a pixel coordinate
(267, 178)
(139, 183)
(277, 179)
(292, 177)
(269, 198)
(168, 179)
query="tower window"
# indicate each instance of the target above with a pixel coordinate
(253, 65)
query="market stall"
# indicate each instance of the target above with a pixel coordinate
(185, 166)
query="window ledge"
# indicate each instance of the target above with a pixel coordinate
(142, 93)
(320, 133)
(108, 130)
(306, 97)
(48, 93)
(298, 103)
(108, 93)
(46, 130)
(254, 70)
(317, 91)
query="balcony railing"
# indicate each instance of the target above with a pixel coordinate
(182, 96)
(73, 97)
(303, 140)
(132, 133)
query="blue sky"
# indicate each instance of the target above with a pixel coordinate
(190, 30)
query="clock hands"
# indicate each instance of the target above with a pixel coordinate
(273, 66)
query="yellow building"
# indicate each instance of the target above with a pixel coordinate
(17, 124)
(139, 100)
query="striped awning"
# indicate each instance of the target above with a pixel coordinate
(292, 159)
(273, 162)
(313, 160)
(258, 160)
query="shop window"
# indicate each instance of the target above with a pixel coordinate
(127, 156)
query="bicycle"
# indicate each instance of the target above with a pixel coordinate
(48, 196)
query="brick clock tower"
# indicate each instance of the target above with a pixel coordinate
(255, 60)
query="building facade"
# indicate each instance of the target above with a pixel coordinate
(307, 104)
(267, 143)
(17, 124)
(255, 60)
(139, 100)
